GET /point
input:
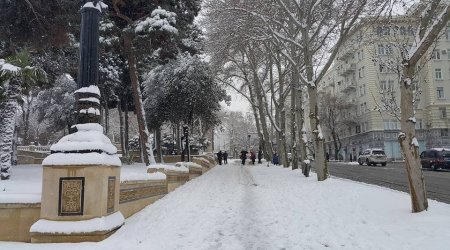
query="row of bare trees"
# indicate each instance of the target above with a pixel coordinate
(276, 52)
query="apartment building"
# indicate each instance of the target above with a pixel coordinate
(366, 74)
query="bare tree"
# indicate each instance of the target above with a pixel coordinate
(322, 28)
(336, 115)
(433, 16)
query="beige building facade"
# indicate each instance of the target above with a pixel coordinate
(366, 73)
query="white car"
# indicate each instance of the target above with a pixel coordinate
(373, 156)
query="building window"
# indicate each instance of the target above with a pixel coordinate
(387, 85)
(358, 129)
(438, 74)
(360, 91)
(419, 124)
(383, 85)
(447, 33)
(360, 55)
(448, 53)
(444, 131)
(381, 50)
(391, 85)
(440, 93)
(442, 112)
(365, 107)
(386, 124)
(411, 31)
(402, 30)
(361, 72)
(382, 68)
(436, 54)
(361, 108)
(393, 124)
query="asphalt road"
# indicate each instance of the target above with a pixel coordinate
(393, 176)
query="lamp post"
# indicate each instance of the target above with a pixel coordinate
(249, 135)
(81, 176)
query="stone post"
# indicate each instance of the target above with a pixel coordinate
(81, 177)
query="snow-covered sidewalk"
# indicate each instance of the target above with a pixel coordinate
(259, 207)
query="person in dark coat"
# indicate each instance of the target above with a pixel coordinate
(225, 157)
(243, 156)
(252, 157)
(260, 156)
(275, 159)
(219, 157)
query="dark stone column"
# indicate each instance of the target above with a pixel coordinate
(88, 66)
(88, 98)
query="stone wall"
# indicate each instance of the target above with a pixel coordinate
(16, 220)
(135, 195)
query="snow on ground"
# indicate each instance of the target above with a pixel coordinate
(25, 185)
(259, 207)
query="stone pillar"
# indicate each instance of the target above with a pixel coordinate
(81, 177)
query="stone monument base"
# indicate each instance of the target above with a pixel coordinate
(96, 229)
(71, 238)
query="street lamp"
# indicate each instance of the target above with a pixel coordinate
(249, 135)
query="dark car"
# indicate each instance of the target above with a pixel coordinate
(435, 158)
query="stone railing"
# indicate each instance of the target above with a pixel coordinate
(33, 148)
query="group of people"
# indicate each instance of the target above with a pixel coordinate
(222, 156)
(244, 154)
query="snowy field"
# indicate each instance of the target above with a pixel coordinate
(256, 207)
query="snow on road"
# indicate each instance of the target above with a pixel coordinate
(259, 207)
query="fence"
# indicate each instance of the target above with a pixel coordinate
(34, 148)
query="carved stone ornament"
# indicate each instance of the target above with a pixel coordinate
(111, 194)
(71, 196)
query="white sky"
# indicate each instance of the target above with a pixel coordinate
(238, 103)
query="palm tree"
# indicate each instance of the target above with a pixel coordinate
(16, 77)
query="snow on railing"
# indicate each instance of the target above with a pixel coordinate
(34, 148)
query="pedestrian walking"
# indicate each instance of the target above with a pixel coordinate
(219, 157)
(260, 155)
(243, 156)
(275, 159)
(225, 157)
(253, 157)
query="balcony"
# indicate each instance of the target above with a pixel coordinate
(347, 69)
(347, 54)
(349, 87)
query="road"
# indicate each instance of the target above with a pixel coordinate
(394, 176)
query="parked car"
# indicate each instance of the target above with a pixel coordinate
(435, 158)
(373, 156)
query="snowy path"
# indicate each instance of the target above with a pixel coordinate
(255, 207)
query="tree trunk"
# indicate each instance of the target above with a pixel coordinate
(127, 130)
(263, 120)
(135, 88)
(121, 132)
(26, 134)
(281, 116)
(8, 111)
(178, 141)
(301, 130)
(409, 145)
(106, 110)
(158, 144)
(336, 144)
(320, 162)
